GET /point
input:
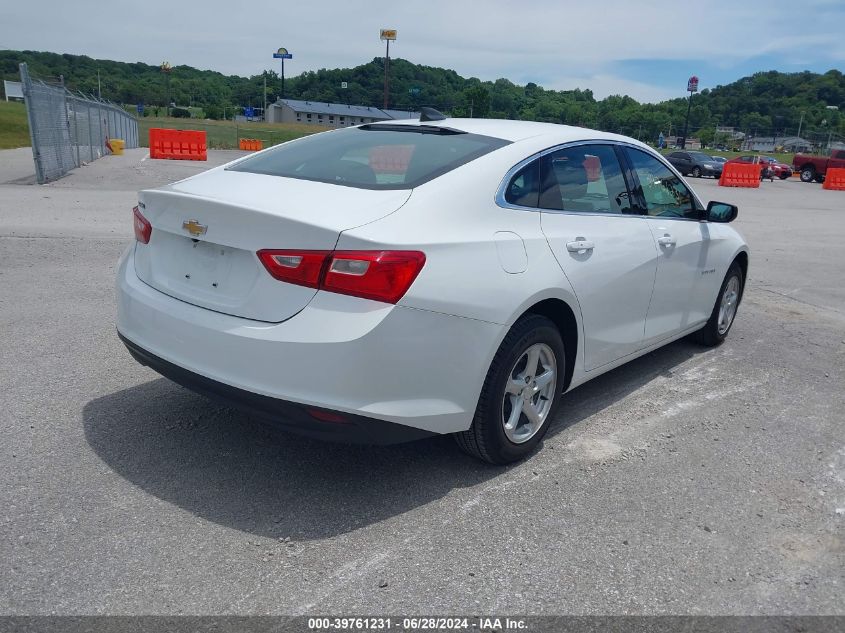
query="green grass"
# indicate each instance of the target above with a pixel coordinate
(14, 128)
(225, 134)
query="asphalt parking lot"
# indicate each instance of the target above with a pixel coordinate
(690, 481)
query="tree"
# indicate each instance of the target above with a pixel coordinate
(477, 101)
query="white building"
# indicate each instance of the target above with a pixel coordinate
(330, 114)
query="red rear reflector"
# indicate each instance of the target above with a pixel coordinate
(327, 416)
(143, 229)
(303, 268)
(377, 275)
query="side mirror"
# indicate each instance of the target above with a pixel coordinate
(721, 212)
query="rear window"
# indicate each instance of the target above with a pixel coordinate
(373, 156)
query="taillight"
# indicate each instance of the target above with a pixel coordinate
(377, 275)
(303, 268)
(143, 229)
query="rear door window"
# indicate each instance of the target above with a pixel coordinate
(373, 156)
(584, 178)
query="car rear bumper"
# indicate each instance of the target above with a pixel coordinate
(288, 415)
(373, 361)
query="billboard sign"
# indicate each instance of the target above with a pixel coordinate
(388, 34)
(282, 53)
(692, 84)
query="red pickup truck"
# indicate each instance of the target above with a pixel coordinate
(814, 167)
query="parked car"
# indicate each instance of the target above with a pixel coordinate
(780, 170)
(719, 159)
(461, 288)
(695, 164)
(814, 167)
(767, 170)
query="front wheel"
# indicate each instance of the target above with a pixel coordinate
(520, 393)
(808, 174)
(784, 176)
(724, 311)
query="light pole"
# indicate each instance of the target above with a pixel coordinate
(387, 35)
(166, 68)
(692, 86)
(282, 54)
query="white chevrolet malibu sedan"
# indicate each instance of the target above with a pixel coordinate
(390, 281)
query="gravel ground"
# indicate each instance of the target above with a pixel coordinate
(690, 481)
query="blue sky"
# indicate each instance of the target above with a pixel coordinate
(646, 49)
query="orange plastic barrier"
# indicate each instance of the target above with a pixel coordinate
(593, 166)
(740, 175)
(177, 144)
(834, 179)
(391, 159)
(251, 144)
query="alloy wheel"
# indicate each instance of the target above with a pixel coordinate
(529, 393)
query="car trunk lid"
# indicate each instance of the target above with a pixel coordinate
(207, 230)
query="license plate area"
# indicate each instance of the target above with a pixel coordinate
(205, 266)
(209, 274)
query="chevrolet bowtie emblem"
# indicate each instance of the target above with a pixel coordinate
(195, 228)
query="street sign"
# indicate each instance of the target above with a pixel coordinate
(388, 34)
(282, 53)
(140, 108)
(692, 84)
(414, 91)
(249, 112)
(343, 84)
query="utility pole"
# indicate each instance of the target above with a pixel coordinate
(264, 111)
(99, 88)
(387, 35)
(800, 123)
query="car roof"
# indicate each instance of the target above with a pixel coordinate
(515, 131)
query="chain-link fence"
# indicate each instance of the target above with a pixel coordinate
(69, 130)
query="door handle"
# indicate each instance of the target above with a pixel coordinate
(580, 244)
(666, 240)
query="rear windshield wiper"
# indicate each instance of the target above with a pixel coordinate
(418, 129)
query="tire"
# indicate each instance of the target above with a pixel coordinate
(808, 174)
(784, 175)
(489, 438)
(819, 178)
(715, 331)
(696, 172)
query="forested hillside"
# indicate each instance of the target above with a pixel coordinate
(765, 103)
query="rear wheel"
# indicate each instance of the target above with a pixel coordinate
(696, 172)
(724, 311)
(520, 393)
(808, 174)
